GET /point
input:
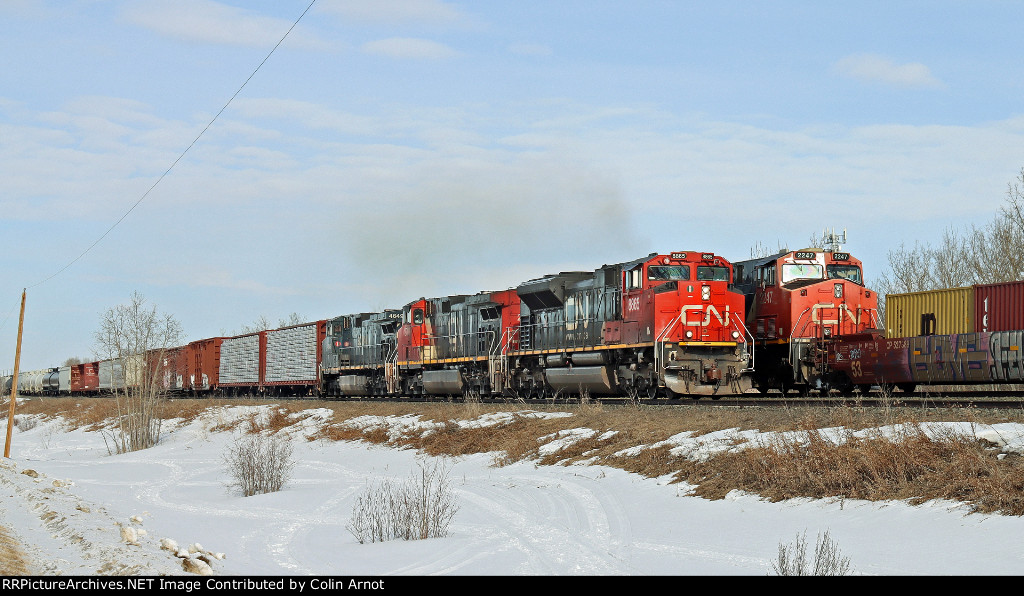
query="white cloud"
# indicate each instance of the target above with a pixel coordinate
(407, 47)
(876, 68)
(211, 22)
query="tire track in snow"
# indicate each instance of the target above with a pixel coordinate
(584, 529)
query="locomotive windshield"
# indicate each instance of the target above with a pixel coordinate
(712, 274)
(795, 271)
(669, 272)
(848, 272)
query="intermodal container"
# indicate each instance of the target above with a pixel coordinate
(999, 307)
(935, 312)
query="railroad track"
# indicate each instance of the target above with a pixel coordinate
(948, 400)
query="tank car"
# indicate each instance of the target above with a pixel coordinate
(796, 301)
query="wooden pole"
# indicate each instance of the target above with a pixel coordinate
(14, 381)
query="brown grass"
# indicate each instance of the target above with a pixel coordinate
(12, 560)
(915, 467)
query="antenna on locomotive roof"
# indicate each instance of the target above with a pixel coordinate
(831, 241)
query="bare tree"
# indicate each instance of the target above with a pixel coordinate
(761, 250)
(135, 338)
(72, 361)
(260, 324)
(949, 267)
(293, 319)
(263, 323)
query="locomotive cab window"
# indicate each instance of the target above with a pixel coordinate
(633, 279)
(417, 316)
(670, 272)
(712, 273)
(847, 272)
(796, 271)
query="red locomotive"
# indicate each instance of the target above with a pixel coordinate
(796, 302)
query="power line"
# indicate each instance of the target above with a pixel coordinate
(179, 158)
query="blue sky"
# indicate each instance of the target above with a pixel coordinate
(389, 150)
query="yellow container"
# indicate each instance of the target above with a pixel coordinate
(935, 312)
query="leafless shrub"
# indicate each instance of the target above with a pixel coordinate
(421, 507)
(134, 339)
(259, 463)
(827, 559)
(24, 423)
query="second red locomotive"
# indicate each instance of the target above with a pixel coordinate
(797, 301)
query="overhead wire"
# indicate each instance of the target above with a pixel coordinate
(182, 155)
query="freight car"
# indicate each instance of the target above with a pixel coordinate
(797, 302)
(952, 336)
(666, 324)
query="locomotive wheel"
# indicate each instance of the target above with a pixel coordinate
(907, 387)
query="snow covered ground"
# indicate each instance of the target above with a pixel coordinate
(515, 520)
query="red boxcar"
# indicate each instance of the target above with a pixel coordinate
(202, 365)
(85, 378)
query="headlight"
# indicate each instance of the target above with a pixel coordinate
(689, 334)
(735, 334)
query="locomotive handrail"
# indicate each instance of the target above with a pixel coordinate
(503, 342)
(660, 340)
(745, 332)
(576, 341)
(473, 335)
(498, 357)
(382, 348)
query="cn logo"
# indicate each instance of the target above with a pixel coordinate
(820, 311)
(710, 311)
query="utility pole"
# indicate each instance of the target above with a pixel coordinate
(14, 381)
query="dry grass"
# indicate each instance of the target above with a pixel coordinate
(915, 467)
(12, 560)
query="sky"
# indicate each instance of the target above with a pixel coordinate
(393, 149)
(517, 520)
